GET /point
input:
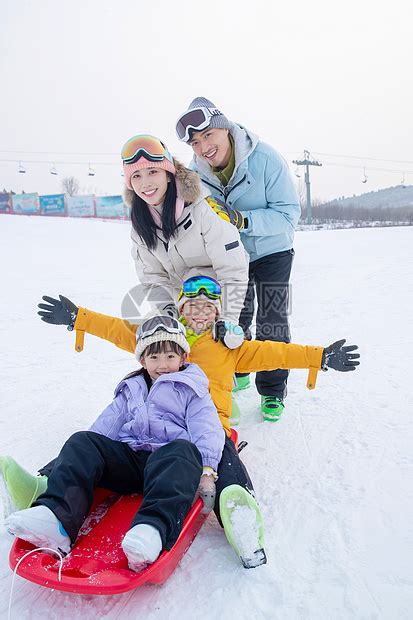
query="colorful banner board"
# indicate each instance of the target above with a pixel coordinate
(81, 206)
(26, 204)
(53, 204)
(110, 206)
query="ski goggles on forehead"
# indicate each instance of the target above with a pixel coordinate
(160, 322)
(194, 120)
(144, 146)
(201, 285)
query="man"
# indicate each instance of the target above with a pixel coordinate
(253, 189)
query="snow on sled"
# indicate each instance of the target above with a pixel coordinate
(96, 563)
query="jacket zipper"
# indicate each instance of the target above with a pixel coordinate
(213, 186)
(225, 193)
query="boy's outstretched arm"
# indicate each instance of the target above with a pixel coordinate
(65, 312)
(255, 355)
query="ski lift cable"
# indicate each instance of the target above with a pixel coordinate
(392, 161)
(370, 168)
(20, 162)
(73, 163)
(364, 158)
(56, 153)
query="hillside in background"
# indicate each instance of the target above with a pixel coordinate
(393, 197)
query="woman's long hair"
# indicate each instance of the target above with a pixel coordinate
(143, 222)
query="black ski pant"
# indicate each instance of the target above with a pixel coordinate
(231, 470)
(269, 278)
(168, 479)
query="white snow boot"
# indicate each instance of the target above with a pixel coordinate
(40, 527)
(142, 545)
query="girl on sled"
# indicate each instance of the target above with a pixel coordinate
(160, 436)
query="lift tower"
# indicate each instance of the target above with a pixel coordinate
(307, 162)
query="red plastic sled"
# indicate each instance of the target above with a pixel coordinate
(97, 564)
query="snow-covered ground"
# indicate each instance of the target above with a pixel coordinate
(334, 476)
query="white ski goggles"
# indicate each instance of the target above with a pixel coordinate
(196, 119)
(160, 322)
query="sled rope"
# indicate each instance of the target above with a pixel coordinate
(21, 560)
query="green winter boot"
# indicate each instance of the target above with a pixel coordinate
(20, 489)
(271, 408)
(235, 413)
(241, 383)
(243, 526)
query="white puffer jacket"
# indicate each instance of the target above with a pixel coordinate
(204, 244)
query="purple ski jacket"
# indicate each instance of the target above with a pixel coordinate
(178, 406)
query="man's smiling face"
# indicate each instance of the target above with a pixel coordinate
(213, 145)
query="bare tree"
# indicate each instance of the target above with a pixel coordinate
(70, 185)
(300, 187)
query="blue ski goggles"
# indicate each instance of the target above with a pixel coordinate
(201, 285)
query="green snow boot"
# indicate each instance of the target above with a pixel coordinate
(19, 488)
(243, 526)
(271, 408)
(235, 413)
(241, 383)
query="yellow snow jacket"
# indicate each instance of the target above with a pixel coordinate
(217, 362)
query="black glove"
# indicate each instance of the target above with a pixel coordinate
(63, 312)
(226, 213)
(338, 357)
(232, 336)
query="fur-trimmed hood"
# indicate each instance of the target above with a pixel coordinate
(188, 186)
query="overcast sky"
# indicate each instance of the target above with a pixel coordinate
(79, 77)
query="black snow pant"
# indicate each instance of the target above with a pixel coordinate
(231, 470)
(168, 479)
(269, 278)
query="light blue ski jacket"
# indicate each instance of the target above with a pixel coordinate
(261, 188)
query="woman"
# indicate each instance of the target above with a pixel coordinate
(175, 233)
